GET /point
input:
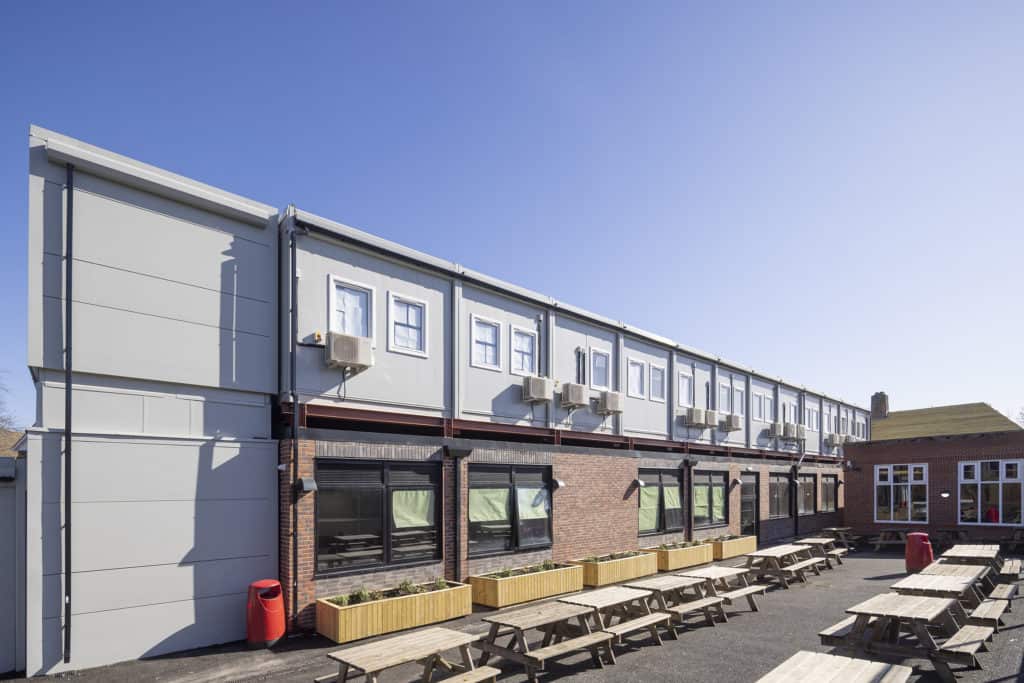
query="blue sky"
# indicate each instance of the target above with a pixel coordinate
(827, 192)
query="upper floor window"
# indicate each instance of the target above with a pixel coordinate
(408, 325)
(351, 308)
(778, 495)
(600, 369)
(657, 383)
(990, 492)
(509, 508)
(769, 408)
(723, 398)
(636, 375)
(661, 504)
(844, 424)
(486, 344)
(685, 389)
(524, 351)
(757, 402)
(739, 401)
(901, 493)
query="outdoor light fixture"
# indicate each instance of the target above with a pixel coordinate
(305, 485)
(944, 494)
(559, 484)
(736, 481)
(638, 483)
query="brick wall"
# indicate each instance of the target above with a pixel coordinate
(302, 507)
(942, 455)
(597, 511)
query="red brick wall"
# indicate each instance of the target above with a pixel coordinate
(942, 455)
(303, 509)
(596, 512)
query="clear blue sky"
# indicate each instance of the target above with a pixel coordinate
(828, 192)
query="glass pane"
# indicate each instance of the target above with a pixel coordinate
(919, 503)
(739, 402)
(900, 474)
(599, 361)
(883, 503)
(917, 473)
(488, 505)
(1011, 503)
(990, 471)
(1011, 470)
(349, 527)
(900, 503)
(411, 509)
(718, 500)
(673, 499)
(989, 502)
(883, 474)
(969, 503)
(490, 520)
(685, 388)
(636, 379)
(649, 508)
(970, 472)
(723, 398)
(534, 507)
(657, 383)
(701, 504)
(353, 311)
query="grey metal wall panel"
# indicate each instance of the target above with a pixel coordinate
(760, 429)
(8, 577)
(734, 380)
(700, 371)
(571, 334)
(645, 417)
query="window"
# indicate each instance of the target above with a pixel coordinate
(758, 406)
(486, 344)
(657, 383)
(829, 492)
(769, 408)
(710, 501)
(807, 496)
(524, 351)
(739, 402)
(637, 369)
(661, 502)
(901, 493)
(408, 325)
(685, 389)
(845, 424)
(351, 308)
(370, 514)
(990, 492)
(723, 398)
(778, 496)
(581, 366)
(600, 369)
(509, 508)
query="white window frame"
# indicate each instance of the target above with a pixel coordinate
(332, 304)
(392, 346)
(650, 383)
(769, 408)
(725, 410)
(977, 482)
(512, 330)
(686, 401)
(741, 393)
(757, 407)
(473, 319)
(643, 376)
(910, 482)
(607, 354)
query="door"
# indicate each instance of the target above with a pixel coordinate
(749, 504)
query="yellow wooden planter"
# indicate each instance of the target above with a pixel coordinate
(614, 571)
(678, 558)
(735, 547)
(511, 590)
(352, 622)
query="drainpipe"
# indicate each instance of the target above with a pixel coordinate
(795, 488)
(293, 396)
(688, 485)
(68, 261)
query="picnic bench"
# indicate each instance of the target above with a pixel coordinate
(959, 587)
(890, 537)
(554, 620)
(717, 581)
(819, 667)
(784, 563)
(425, 646)
(844, 536)
(984, 554)
(824, 546)
(629, 605)
(671, 593)
(981, 574)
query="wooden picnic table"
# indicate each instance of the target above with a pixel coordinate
(718, 583)
(682, 595)
(554, 620)
(843, 535)
(891, 537)
(631, 606)
(933, 585)
(782, 562)
(978, 573)
(819, 667)
(427, 644)
(824, 547)
(986, 554)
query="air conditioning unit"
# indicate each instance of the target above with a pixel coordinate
(711, 418)
(776, 430)
(348, 352)
(801, 432)
(610, 403)
(536, 389)
(789, 431)
(696, 417)
(575, 395)
(834, 440)
(732, 423)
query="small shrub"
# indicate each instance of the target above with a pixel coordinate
(360, 596)
(339, 600)
(548, 565)
(407, 587)
(440, 584)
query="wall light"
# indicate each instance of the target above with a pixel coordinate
(639, 484)
(559, 484)
(305, 485)
(944, 494)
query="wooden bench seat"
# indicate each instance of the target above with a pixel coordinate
(1010, 570)
(835, 635)
(588, 640)
(481, 673)
(1005, 591)
(747, 592)
(837, 554)
(988, 613)
(963, 646)
(646, 621)
(704, 605)
(797, 568)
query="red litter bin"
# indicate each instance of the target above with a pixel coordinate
(264, 613)
(919, 551)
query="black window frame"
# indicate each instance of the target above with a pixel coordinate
(709, 475)
(517, 546)
(801, 480)
(829, 484)
(778, 481)
(661, 527)
(387, 520)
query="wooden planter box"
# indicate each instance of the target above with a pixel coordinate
(511, 590)
(352, 622)
(735, 547)
(678, 558)
(614, 571)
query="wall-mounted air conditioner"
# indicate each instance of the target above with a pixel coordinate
(696, 417)
(536, 389)
(575, 395)
(776, 430)
(711, 418)
(610, 403)
(732, 423)
(348, 352)
(789, 431)
(801, 432)
(834, 440)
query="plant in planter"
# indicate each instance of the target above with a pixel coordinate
(365, 613)
(733, 546)
(513, 586)
(672, 556)
(604, 569)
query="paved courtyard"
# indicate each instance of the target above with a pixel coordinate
(745, 648)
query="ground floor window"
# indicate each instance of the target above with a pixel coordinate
(778, 496)
(710, 499)
(829, 492)
(369, 514)
(990, 492)
(509, 508)
(661, 502)
(901, 493)
(807, 498)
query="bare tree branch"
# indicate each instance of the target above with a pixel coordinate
(6, 417)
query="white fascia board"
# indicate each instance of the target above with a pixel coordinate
(126, 171)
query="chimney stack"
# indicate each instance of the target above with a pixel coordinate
(879, 406)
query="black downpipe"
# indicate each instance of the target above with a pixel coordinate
(68, 260)
(688, 486)
(292, 338)
(795, 488)
(458, 515)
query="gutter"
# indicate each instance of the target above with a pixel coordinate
(292, 339)
(69, 234)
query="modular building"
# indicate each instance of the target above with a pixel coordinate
(267, 393)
